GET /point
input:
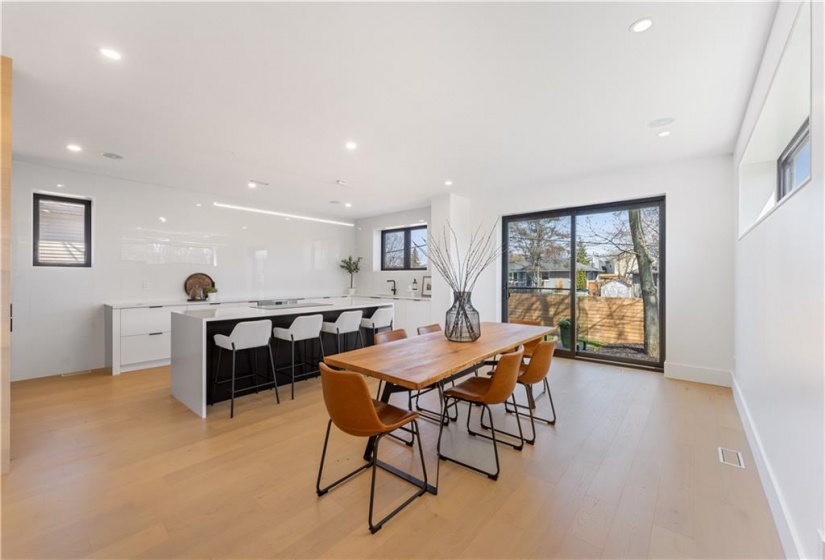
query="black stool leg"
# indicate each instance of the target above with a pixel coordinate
(274, 380)
(292, 344)
(232, 397)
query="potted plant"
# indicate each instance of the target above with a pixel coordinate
(211, 293)
(352, 267)
(564, 327)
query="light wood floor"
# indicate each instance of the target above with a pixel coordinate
(114, 467)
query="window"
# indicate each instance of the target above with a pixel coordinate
(596, 272)
(794, 165)
(62, 231)
(404, 249)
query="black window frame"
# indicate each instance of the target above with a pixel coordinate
(573, 212)
(786, 159)
(87, 229)
(407, 246)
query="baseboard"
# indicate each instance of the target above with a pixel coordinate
(698, 374)
(787, 535)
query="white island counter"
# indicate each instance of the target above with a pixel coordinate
(191, 338)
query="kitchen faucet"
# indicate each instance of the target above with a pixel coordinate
(394, 289)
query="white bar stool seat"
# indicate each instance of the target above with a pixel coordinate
(348, 322)
(304, 327)
(247, 335)
(381, 319)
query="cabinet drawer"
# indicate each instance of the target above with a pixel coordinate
(145, 348)
(147, 320)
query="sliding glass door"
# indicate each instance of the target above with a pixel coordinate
(596, 272)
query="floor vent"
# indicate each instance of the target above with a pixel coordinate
(731, 457)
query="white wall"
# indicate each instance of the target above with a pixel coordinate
(780, 323)
(700, 210)
(371, 279)
(58, 312)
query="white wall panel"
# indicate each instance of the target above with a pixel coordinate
(780, 319)
(700, 210)
(58, 312)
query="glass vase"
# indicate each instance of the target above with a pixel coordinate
(462, 323)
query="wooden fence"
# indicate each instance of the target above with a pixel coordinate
(604, 319)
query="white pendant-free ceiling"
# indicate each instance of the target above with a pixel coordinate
(393, 100)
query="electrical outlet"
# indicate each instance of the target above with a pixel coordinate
(146, 286)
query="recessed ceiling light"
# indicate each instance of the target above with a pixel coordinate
(282, 214)
(348, 204)
(198, 204)
(335, 202)
(111, 155)
(663, 134)
(351, 145)
(74, 148)
(111, 54)
(660, 122)
(60, 185)
(340, 182)
(162, 219)
(254, 184)
(641, 25)
(243, 227)
(448, 183)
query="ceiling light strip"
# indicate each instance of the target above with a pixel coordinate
(281, 214)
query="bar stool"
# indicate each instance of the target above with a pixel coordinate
(248, 335)
(486, 391)
(354, 412)
(347, 322)
(303, 328)
(381, 319)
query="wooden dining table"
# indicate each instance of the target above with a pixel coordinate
(422, 361)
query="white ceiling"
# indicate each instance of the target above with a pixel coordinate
(491, 96)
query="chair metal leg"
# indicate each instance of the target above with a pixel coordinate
(359, 337)
(531, 404)
(321, 491)
(443, 457)
(519, 436)
(274, 379)
(373, 464)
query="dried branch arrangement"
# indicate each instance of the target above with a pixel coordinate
(461, 269)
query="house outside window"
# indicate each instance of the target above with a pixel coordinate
(62, 231)
(404, 248)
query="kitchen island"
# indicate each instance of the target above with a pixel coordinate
(192, 333)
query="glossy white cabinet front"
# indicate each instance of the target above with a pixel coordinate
(147, 320)
(142, 348)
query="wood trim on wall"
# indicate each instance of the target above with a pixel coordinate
(5, 262)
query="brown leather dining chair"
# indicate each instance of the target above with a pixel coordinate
(487, 391)
(354, 412)
(384, 337)
(528, 346)
(435, 327)
(530, 374)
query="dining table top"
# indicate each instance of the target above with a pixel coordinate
(420, 361)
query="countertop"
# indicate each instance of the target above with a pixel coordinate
(210, 314)
(254, 300)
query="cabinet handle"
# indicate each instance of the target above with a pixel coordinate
(215, 303)
(155, 306)
(154, 333)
